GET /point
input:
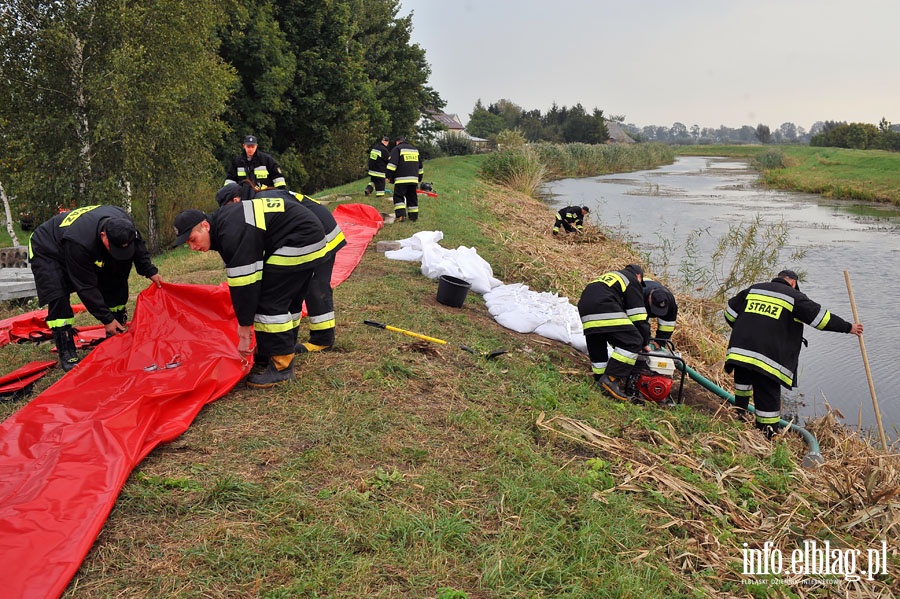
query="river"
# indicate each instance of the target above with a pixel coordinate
(700, 198)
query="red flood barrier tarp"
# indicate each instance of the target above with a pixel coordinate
(360, 223)
(65, 455)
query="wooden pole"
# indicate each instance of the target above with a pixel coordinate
(862, 347)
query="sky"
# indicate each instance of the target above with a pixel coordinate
(657, 62)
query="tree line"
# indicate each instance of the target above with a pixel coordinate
(557, 125)
(141, 104)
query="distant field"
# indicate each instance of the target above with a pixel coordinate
(870, 175)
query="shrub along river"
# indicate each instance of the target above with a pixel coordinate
(676, 214)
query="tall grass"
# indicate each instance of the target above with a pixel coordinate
(525, 169)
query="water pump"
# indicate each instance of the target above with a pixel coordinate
(654, 377)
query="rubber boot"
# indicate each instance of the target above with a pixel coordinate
(306, 347)
(615, 387)
(280, 369)
(64, 338)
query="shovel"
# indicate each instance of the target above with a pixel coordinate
(488, 356)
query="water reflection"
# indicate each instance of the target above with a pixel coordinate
(699, 198)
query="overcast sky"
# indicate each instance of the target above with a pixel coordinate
(703, 62)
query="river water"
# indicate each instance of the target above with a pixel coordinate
(700, 198)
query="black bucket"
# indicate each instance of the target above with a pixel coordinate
(452, 291)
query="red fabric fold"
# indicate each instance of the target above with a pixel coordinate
(65, 455)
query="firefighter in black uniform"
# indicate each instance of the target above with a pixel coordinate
(570, 218)
(378, 159)
(255, 165)
(660, 304)
(405, 171)
(270, 247)
(320, 296)
(89, 251)
(612, 311)
(766, 322)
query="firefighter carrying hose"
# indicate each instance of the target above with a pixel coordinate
(270, 247)
(612, 311)
(89, 251)
(766, 321)
(320, 297)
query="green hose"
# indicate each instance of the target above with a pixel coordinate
(812, 459)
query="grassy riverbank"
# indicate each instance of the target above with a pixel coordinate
(394, 468)
(868, 175)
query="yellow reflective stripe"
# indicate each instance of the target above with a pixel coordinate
(825, 319)
(335, 242)
(74, 214)
(276, 260)
(116, 308)
(638, 317)
(761, 365)
(245, 279)
(60, 322)
(259, 216)
(30, 251)
(665, 328)
(278, 327)
(321, 326)
(410, 179)
(612, 322)
(768, 419)
(769, 299)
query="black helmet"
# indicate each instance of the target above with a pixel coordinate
(635, 269)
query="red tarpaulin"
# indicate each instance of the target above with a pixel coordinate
(19, 327)
(65, 455)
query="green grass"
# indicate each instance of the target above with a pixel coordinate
(396, 468)
(869, 175)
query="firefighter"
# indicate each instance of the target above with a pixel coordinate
(378, 159)
(766, 321)
(319, 298)
(89, 251)
(612, 311)
(255, 165)
(660, 304)
(570, 218)
(405, 171)
(270, 248)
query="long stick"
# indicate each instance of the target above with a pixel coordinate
(862, 347)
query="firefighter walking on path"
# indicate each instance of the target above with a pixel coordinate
(378, 160)
(253, 164)
(320, 296)
(571, 219)
(89, 251)
(766, 321)
(270, 247)
(612, 311)
(405, 171)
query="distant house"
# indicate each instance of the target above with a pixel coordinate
(617, 133)
(450, 121)
(455, 127)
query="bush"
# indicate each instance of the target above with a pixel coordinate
(769, 159)
(454, 144)
(520, 169)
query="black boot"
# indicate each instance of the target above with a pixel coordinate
(279, 370)
(64, 338)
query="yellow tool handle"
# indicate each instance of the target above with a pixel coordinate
(416, 335)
